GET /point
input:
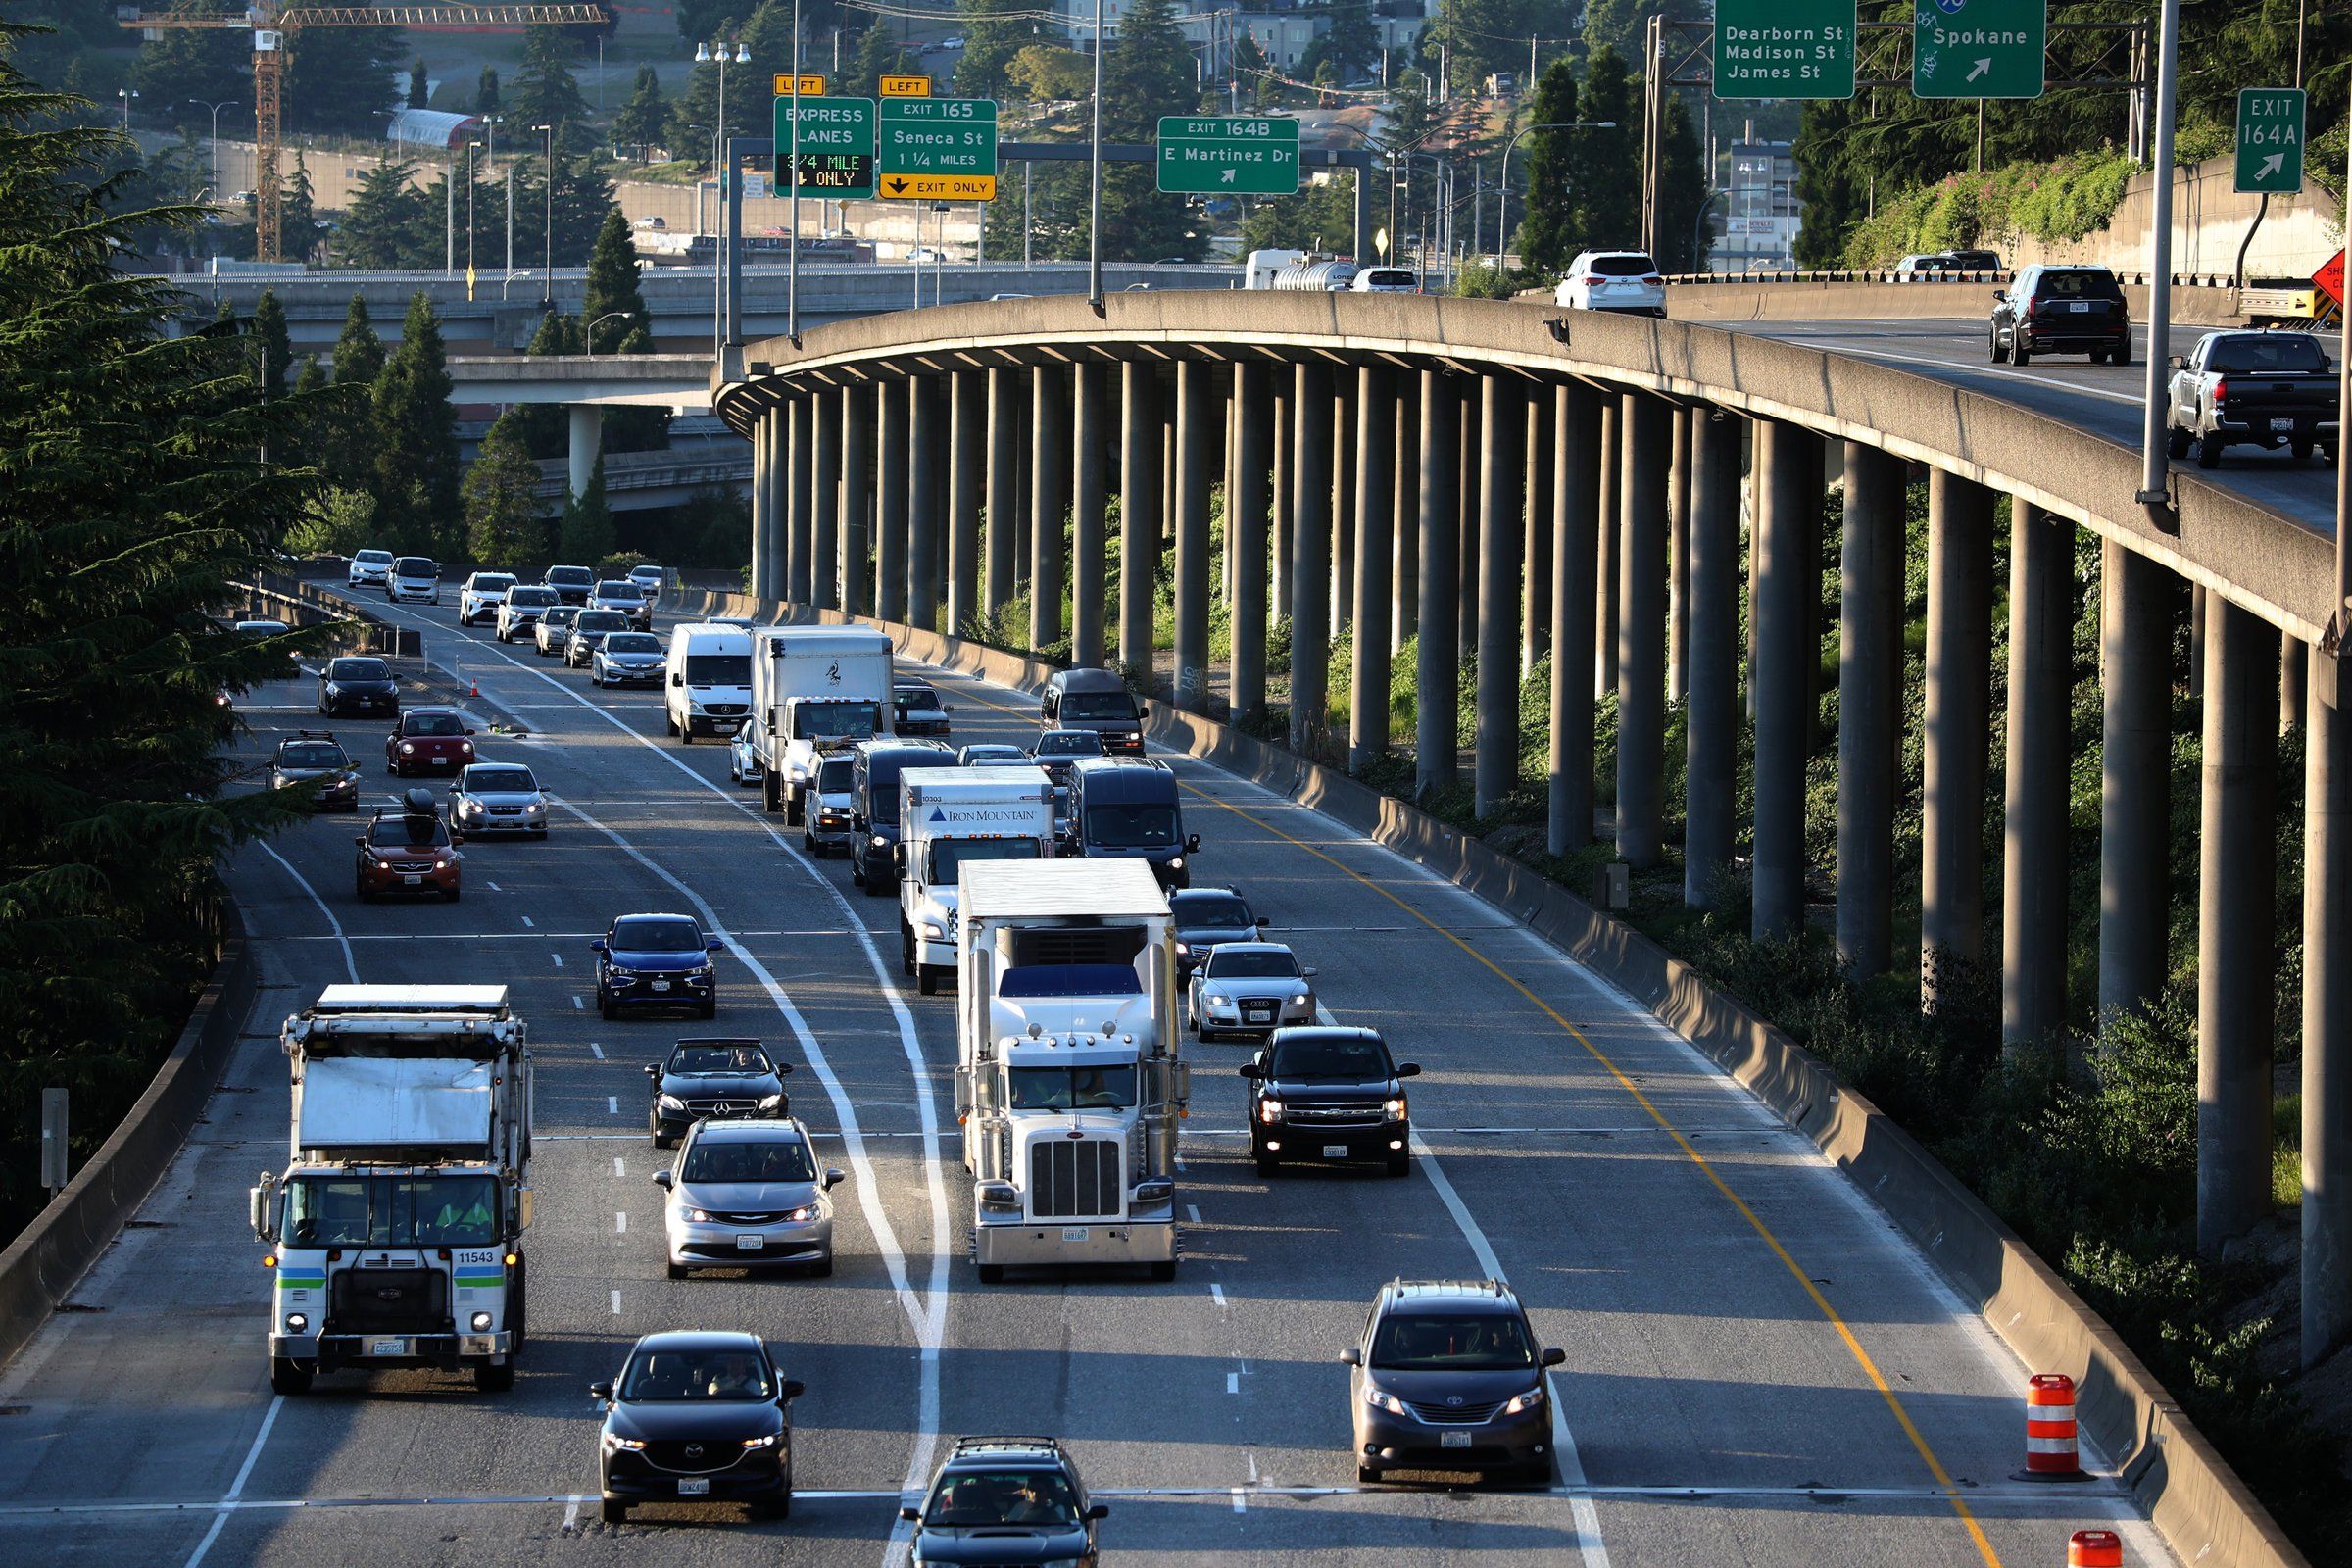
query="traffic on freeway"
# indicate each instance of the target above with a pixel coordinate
(1464, 1257)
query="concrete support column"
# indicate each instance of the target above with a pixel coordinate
(1141, 494)
(1468, 465)
(2237, 886)
(1711, 721)
(926, 501)
(2293, 695)
(2036, 779)
(1503, 415)
(1089, 450)
(1646, 426)
(1788, 510)
(1310, 553)
(856, 499)
(1574, 489)
(1438, 673)
(1375, 523)
(1534, 638)
(1198, 413)
(1678, 557)
(889, 499)
(1003, 482)
(1343, 502)
(1405, 491)
(967, 436)
(764, 507)
(2136, 598)
(1870, 703)
(1048, 500)
(800, 504)
(587, 443)
(1958, 733)
(825, 505)
(1245, 525)
(1604, 561)
(1279, 488)
(2326, 1262)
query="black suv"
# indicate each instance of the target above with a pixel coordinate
(1323, 1093)
(1448, 1375)
(916, 712)
(2061, 309)
(1005, 1500)
(697, 1417)
(875, 806)
(315, 757)
(714, 1078)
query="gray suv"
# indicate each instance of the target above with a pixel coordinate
(1005, 1500)
(1448, 1376)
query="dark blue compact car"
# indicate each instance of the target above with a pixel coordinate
(656, 960)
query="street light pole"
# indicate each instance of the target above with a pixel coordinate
(1502, 189)
(792, 249)
(547, 252)
(214, 141)
(2155, 463)
(470, 147)
(703, 54)
(1094, 170)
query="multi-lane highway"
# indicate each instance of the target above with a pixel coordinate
(1759, 1369)
(2106, 398)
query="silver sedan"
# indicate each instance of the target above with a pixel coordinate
(747, 1194)
(497, 798)
(1251, 988)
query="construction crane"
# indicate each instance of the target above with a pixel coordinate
(272, 24)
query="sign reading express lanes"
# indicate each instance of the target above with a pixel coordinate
(834, 151)
(1979, 48)
(1204, 153)
(1785, 48)
(938, 149)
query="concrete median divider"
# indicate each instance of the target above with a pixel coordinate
(40, 1269)
(275, 596)
(2198, 1504)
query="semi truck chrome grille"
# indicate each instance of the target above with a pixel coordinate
(1074, 1178)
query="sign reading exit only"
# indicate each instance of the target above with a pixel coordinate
(2269, 140)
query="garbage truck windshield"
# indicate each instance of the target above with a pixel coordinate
(354, 1211)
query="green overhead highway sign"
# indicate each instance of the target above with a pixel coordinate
(938, 149)
(1979, 48)
(1785, 48)
(2269, 140)
(835, 150)
(1209, 154)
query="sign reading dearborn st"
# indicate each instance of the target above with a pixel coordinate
(1785, 48)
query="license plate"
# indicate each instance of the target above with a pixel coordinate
(694, 1486)
(661, 985)
(1335, 1151)
(1453, 1440)
(2283, 424)
(2078, 307)
(1073, 1233)
(396, 1346)
(749, 1244)
(411, 879)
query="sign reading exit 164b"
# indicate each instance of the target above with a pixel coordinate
(1785, 48)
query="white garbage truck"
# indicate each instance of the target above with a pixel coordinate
(815, 688)
(1068, 1084)
(395, 1233)
(949, 819)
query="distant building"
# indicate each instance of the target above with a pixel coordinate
(431, 127)
(1759, 210)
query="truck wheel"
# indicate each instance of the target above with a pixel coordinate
(2209, 452)
(1164, 1272)
(768, 795)
(2019, 354)
(794, 810)
(1401, 1163)
(669, 725)
(991, 1273)
(686, 732)
(808, 846)
(907, 963)
(873, 887)
(289, 1376)
(926, 979)
(1268, 1165)
(1993, 340)
(2121, 356)
(613, 1513)
(2175, 443)
(488, 1379)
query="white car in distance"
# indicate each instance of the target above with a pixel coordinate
(370, 568)
(483, 592)
(1623, 281)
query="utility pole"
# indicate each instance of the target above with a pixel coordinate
(792, 252)
(1094, 193)
(547, 254)
(2154, 492)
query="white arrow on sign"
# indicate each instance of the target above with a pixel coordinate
(1225, 176)
(2270, 166)
(1978, 69)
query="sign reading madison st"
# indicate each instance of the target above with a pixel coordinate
(1785, 48)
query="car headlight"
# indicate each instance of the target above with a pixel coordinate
(1530, 1400)
(880, 841)
(1381, 1398)
(806, 1211)
(535, 808)
(773, 1102)
(622, 972)
(1395, 1108)
(1182, 950)
(466, 747)
(700, 1216)
(1300, 1000)
(1217, 998)
(633, 1444)
(298, 1323)
(407, 749)
(470, 808)
(935, 931)
(769, 1441)
(1270, 1111)
(1177, 863)
(670, 1102)
(481, 1322)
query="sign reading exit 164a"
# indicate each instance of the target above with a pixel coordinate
(2269, 140)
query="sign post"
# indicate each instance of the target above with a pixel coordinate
(1202, 155)
(938, 149)
(1785, 48)
(2269, 140)
(1979, 48)
(832, 157)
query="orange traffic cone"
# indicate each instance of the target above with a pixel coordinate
(2094, 1548)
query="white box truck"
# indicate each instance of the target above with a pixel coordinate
(396, 1229)
(707, 680)
(951, 817)
(1068, 1084)
(815, 688)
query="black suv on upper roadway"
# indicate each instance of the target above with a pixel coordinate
(1447, 1374)
(2061, 309)
(730, 1078)
(1326, 1093)
(1002, 1502)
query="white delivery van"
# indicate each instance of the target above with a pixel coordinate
(707, 681)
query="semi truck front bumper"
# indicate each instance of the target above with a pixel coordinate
(393, 1349)
(1052, 1244)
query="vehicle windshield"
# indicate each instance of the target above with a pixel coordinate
(2095, 285)
(1389, 277)
(571, 577)
(311, 753)
(531, 597)
(922, 697)
(831, 721)
(439, 726)
(1347, 1057)
(949, 857)
(1215, 910)
(720, 1059)
(731, 1159)
(561, 614)
(391, 1211)
(1086, 743)
(614, 588)
(1451, 1342)
(882, 784)
(2263, 353)
(656, 936)
(1629, 265)
(1072, 1088)
(836, 774)
(977, 1500)
(374, 557)
(632, 642)
(679, 1375)
(1131, 827)
(359, 670)
(593, 622)
(718, 669)
(406, 833)
(977, 756)
(500, 780)
(1226, 964)
(414, 566)
(1097, 704)
(491, 582)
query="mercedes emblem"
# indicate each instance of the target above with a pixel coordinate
(721, 1109)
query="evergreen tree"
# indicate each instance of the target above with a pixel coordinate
(420, 89)
(380, 224)
(545, 427)
(298, 211)
(1055, 229)
(347, 447)
(879, 53)
(545, 91)
(213, 65)
(1681, 191)
(992, 35)
(611, 285)
(359, 356)
(1619, 24)
(1043, 73)
(311, 380)
(1148, 73)
(336, 78)
(767, 36)
(271, 347)
(583, 196)
(702, 20)
(1349, 42)
(416, 483)
(1479, 37)
(503, 523)
(486, 92)
(1547, 239)
(1252, 70)
(644, 119)
(749, 110)
(586, 534)
(1602, 168)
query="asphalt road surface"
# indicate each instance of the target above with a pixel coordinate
(2103, 398)
(1759, 1370)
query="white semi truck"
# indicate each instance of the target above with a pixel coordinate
(814, 688)
(396, 1230)
(951, 817)
(1068, 1084)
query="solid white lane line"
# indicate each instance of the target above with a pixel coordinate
(350, 963)
(236, 1487)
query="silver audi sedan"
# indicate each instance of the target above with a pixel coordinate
(747, 1195)
(1252, 988)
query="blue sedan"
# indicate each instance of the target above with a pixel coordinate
(656, 960)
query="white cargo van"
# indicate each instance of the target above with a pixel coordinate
(707, 682)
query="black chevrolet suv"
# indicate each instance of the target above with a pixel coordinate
(1005, 1500)
(1323, 1093)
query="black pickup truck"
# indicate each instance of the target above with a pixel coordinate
(2264, 389)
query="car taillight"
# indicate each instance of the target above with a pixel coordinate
(2220, 391)
(1654, 278)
